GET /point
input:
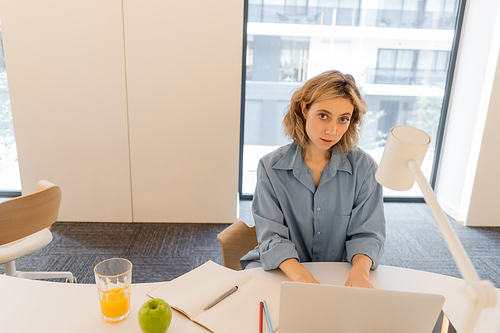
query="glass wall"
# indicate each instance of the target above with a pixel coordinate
(10, 180)
(397, 50)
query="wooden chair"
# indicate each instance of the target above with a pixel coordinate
(24, 228)
(235, 241)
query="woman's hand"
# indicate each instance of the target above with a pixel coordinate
(359, 275)
(296, 272)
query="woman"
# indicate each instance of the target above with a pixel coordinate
(317, 199)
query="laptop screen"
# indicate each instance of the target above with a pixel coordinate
(321, 308)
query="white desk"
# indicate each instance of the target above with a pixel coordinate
(37, 306)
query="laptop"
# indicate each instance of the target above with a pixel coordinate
(319, 308)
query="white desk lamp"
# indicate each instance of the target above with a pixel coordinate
(399, 168)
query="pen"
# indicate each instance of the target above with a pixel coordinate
(261, 309)
(269, 326)
(221, 297)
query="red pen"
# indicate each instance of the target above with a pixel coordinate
(260, 316)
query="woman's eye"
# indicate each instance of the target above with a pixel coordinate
(344, 120)
(323, 116)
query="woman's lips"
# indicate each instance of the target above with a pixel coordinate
(326, 141)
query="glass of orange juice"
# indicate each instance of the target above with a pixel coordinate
(113, 278)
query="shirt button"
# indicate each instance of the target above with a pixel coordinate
(318, 233)
(318, 209)
(317, 258)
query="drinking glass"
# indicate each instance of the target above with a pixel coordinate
(113, 278)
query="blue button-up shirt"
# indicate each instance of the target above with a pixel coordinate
(340, 218)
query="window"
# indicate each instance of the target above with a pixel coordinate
(263, 53)
(296, 7)
(400, 13)
(435, 14)
(402, 73)
(422, 67)
(10, 181)
(395, 66)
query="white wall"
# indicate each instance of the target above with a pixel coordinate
(133, 110)
(467, 177)
(485, 196)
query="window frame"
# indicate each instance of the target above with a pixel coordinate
(442, 122)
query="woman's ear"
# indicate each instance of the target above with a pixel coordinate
(303, 108)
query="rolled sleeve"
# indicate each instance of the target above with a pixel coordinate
(273, 236)
(366, 231)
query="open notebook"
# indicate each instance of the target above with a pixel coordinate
(239, 312)
(324, 308)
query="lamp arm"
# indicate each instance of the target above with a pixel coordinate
(480, 294)
(458, 252)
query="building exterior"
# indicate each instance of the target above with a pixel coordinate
(397, 50)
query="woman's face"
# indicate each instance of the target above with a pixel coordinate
(327, 121)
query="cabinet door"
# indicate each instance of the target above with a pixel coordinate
(66, 70)
(184, 84)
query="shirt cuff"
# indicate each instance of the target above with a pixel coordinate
(370, 247)
(279, 251)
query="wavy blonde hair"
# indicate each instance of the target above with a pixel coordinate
(328, 85)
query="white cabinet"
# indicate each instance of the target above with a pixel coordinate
(184, 87)
(132, 108)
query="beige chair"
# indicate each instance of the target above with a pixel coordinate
(235, 241)
(24, 228)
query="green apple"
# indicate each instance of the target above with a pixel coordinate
(155, 316)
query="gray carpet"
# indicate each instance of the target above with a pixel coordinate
(161, 252)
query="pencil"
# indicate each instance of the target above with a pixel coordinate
(261, 309)
(221, 297)
(268, 319)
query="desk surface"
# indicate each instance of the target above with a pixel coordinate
(38, 306)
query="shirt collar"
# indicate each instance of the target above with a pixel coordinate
(292, 160)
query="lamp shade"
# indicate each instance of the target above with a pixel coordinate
(405, 143)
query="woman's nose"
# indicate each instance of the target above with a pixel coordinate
(331, 130)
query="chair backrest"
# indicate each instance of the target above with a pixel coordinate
(235, 241)
(27, 214)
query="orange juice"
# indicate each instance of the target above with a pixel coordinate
(115, 302)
